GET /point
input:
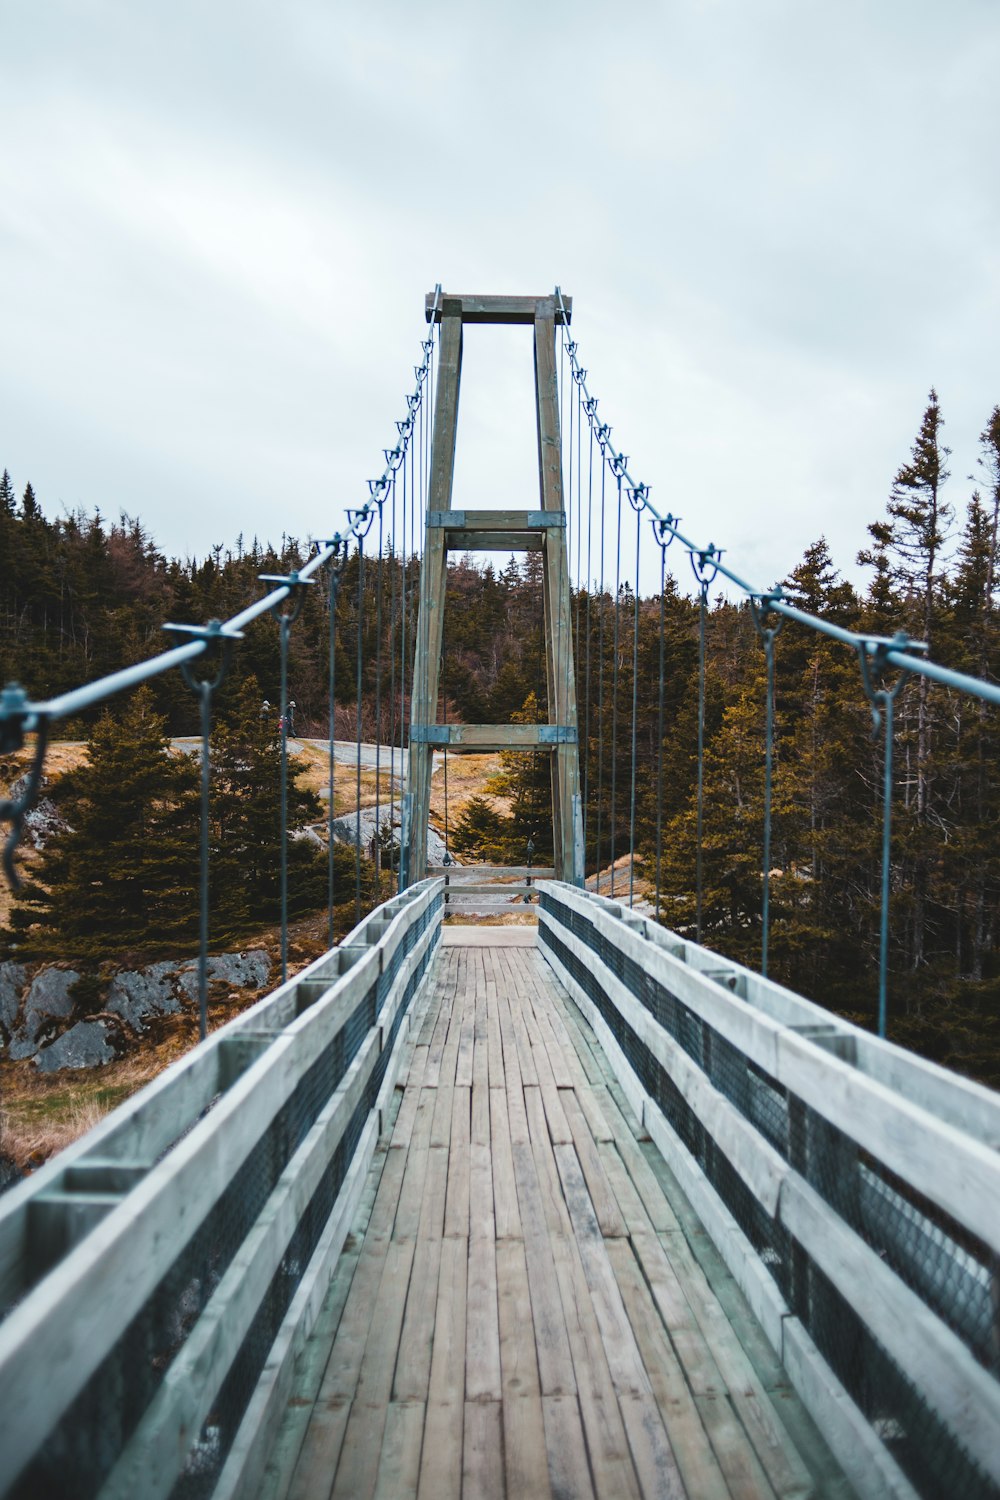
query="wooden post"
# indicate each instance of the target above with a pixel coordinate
(558, 628)
(524, 529)
(433, 577)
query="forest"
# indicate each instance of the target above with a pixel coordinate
(81, 596)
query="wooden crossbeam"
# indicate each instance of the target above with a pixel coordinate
(476, 309)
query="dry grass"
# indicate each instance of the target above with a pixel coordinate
(41, 1113)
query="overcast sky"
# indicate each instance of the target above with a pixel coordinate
(779, 221)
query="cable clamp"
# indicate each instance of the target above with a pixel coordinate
(665, 529)
(218, 638)
(873, 658)
(295, 584)
(767, 623)
(706, 566)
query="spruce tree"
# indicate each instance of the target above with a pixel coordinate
(122, 881)
(246, 792)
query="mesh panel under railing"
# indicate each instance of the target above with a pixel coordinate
(951, 1271)
(85, 1444)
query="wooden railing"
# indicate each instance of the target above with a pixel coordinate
(160, 1276)
(852, 1188)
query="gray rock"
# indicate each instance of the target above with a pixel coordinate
(139, 994)
(47, 1000)
(43, 821)
(345, 832)
(85, 1045)
(249, 971)
(12, 979)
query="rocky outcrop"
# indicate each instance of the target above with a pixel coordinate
(37, 1015)
(12, 981)
(48, 1000)
(137, 995)
(345, 832)
(244, 971)
(43, 821)
(85, 1045)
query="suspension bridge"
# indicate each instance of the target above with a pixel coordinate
(579, 1208)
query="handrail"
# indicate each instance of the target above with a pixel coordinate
(180, 1236)
(851, 1187)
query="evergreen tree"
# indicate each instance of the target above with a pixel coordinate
(246, 816)
(123, 880)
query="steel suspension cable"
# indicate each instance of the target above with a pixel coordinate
(614, 684)
(659, 726)
(587, 715)
(377, 850)
(600, 673)
(335, 573)
(357, 689)
(635, 707)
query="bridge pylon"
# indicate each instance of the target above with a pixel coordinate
(541, 530)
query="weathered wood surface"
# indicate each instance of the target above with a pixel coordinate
(530, 1307)
(495, 309)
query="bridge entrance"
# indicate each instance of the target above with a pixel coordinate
(542, 530)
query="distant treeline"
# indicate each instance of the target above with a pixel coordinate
(82, 596)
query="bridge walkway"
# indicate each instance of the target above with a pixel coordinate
(528, 1305)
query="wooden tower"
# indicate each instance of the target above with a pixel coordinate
(541, 530)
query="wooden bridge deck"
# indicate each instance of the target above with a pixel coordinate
(528, 1306)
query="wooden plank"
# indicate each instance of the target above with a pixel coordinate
(555, 1115)
(569, 1471)
(745, 1479)
(480, 1125)
(621, 1351)
(652, 1453)
(463, 1063)
(499, 872)
(399, 1461)
(555, 1363)
(700, 1368)
(324, 1437)
(285, 1451)
(602, 1195)
(497, 1079)
(581, 1038)
(696, 1460)
(441, 1124)
(508, 1220)
(610, 1456)
(441, 1454)
(447, 1383)
(441, 1457)
(522, 1040)
(631, 1205)
(456, 1217)
(482, 1459)
(357, 1469)
(553, 1205)
(413, 1362)
(518, 1356)
(511, 1062)
(526, 1468)
(482, 1338)
(412, 1190)
(482, 1224)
